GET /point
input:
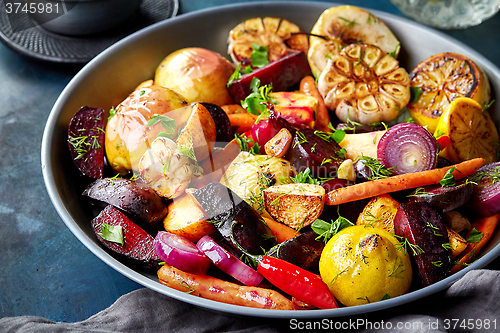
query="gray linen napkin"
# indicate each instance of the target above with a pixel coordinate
(473, 299)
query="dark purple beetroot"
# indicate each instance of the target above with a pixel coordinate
(223, 126)
(310, 149)
(303, 250)
(443, 199)
(86, 141)
(421, 225)
(136, 199)
(281, 74)
(239, 224)
(137, 243)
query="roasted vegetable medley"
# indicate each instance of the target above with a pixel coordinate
(301, 170)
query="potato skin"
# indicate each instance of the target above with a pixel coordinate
(127, 133)
(197, 73)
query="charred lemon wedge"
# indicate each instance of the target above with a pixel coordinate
(280, 36)
(440, 79)
(364, 84)
(471, 131)
(363, 264)
(342, 25)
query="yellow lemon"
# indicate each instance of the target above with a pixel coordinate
(440, 79)
(364, 264)
(471, 131)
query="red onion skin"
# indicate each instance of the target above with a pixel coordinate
(228, 263)
(485, 200)
(411, 140)
(181, 253)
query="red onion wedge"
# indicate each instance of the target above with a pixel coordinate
(228, 263)
(407, 148)
(181, 253)
(485, 199)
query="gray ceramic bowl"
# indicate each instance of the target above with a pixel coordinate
(82, 17)
(109, 78)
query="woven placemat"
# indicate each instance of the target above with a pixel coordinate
(37, 42)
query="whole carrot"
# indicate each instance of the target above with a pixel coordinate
(308, 87)
(400, 182)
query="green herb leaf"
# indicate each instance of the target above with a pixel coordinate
(112, 233)
(448, 179)
(327, 230)
(304, 177)
(167, 123)
(235, 76)
(112, 112)
(474, 236)
(256, 102)
(415, 93)
(259, 56)
(244, 144)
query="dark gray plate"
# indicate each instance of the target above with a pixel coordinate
(109, 78)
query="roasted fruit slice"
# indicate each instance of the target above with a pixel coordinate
(249, 174)
(343, 25)
(440, 79)
(471, 131)
(364, 84)
(280, 36)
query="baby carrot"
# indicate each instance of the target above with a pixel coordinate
(308, 87)
(244, 121)
(485, 225)
(400, 182)
(280, 230)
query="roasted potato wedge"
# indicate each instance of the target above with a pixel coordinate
(457, 242)
(296, 205)
(186, 219)
(380, 212)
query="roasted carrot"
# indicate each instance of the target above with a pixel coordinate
(308, 87)
(485, 225)
(223, 291)
(243, 121)
(400, 182)
(233, 108)
(280, 230)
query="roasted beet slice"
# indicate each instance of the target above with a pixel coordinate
(422, 226)
(315, 150)
(443, 198)
(86, 141)
(137, 243)
(236, 220)
(136, 199)
(222, 123)
(281, 74)
(303, 250)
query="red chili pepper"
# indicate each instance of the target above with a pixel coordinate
(443, 141)
(297, 282)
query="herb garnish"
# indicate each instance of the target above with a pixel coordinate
(448, 179)
(256, 102)
(167, 123)
(112, 233)
(474, 236)
(405, 244)
(304, 177)
(259, 56)
(244, 144)
(415, 93)
(378, 170)
(327, 230)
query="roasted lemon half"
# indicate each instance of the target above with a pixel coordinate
(440, 79)
(471, 131)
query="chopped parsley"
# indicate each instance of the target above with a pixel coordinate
(415, 93)
(256, 102)
(112, 233)
(259, 56)
(245, 142)
(112, 113)
(474, 236)
(304, 177)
